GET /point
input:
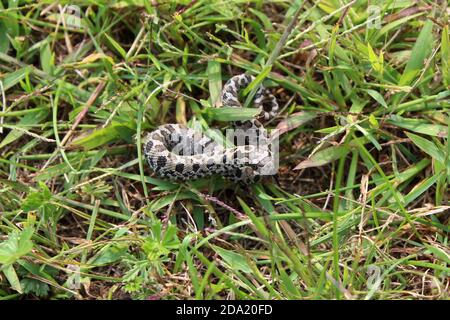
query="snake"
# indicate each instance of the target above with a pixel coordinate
(177, 152)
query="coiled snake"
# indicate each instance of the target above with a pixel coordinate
(175, 151)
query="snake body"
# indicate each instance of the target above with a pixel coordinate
(177, 152)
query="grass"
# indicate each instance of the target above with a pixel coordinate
(360, 206)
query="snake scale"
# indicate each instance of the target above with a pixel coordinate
(177, 152)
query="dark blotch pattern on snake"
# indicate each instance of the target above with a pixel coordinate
(177, 152)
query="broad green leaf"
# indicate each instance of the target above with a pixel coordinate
(375, 61)
(13, 78)
(323, 157)
(12, 21)
(395, 24)
(288, 283)
(428, 147)
(34, 286)
(17, 185)
(327, 6)
(108, 255)
(37, 199)
(105, 135)
(94, 57)
(268, 26)
(257, 222)
(26, 120)
(11, 275)
(439, 253)
(369, 136)
(422, 48)
(419, 126)
(215, 82)
(420, 188)
(58, 169)
(295, 120)
(116, 46)
(47, 58)
(232, 114)
(377, 96)
(16, 246)
(429, 265)
(233, 259)
(4, 41)
(160, 185)
(154, 250)
(259, 78)
(170, 239)
(164, 201)
(161, 242)
(445, 56)
(373, 121)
